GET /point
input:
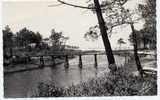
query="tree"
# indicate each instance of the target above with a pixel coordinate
(7, 37)
(23, 37)
(38, 39)
(7, 40)
(121, 16)
(105, 39)
(120, 42)
(117, 15)
(57, 39)
(26, 37)
(138, 63)
(98, 9)
(148, 12)
(142, 37)
(92, 33)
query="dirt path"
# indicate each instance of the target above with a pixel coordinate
(148, 63)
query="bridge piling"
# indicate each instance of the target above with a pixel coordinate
(53, 60)
(66, 65)
(41, 61)
(125, 59)
(28, 58)
(95, 60)
(80, 61)
(128, 57)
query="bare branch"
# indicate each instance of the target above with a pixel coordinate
(119, 24)
(88, 1)
(55, 5)
(84, 7)
(69, 4)
(121, 2)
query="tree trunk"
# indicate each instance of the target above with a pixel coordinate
(11, 52)
(144, 42)
(103, 30)
(138, 63)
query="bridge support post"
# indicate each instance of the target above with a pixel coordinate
(95, 60)
(80, 61)
(53, 60)
(28, 58)
(41, 61)
(66, 65)
(125, 58)
(128, 58)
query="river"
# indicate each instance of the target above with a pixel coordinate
(22, 83)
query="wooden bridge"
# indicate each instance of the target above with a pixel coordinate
(29, 59)
(66, 58)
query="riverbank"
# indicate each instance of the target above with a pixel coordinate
(35, 64)
(21, 64)
(124, 82)
(26, 67)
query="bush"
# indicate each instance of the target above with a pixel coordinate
(119, 83)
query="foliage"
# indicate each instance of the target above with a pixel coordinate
(38, 38)
(92, 33)
(7, 37)
(138, 34)
(57, 39)
(26, 41)
(120, 83)
(120, 41)
(142, 37)
(98, 8)
(115, 15)
(25, 37)
(148, 12)
(148, 33)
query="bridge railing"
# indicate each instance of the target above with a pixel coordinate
(53, 57)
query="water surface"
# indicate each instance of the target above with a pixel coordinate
(22, 83)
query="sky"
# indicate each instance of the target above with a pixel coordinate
(73, 22)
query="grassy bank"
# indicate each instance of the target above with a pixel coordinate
(120, 83)
(124, 82)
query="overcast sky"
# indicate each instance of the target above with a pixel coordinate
(73, 22)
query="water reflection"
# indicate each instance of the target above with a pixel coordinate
(96, 71)
(18, 84)
(80, 72)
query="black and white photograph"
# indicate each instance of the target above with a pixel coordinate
(79, 48)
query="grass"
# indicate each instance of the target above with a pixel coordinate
(120, 83)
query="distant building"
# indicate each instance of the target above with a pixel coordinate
(32, 45)
(47, 41)
(68, 47)
(148, 45)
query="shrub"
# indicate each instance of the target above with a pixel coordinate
(120, 83)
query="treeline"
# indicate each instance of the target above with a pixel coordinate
(26, 40)
(22, 38)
